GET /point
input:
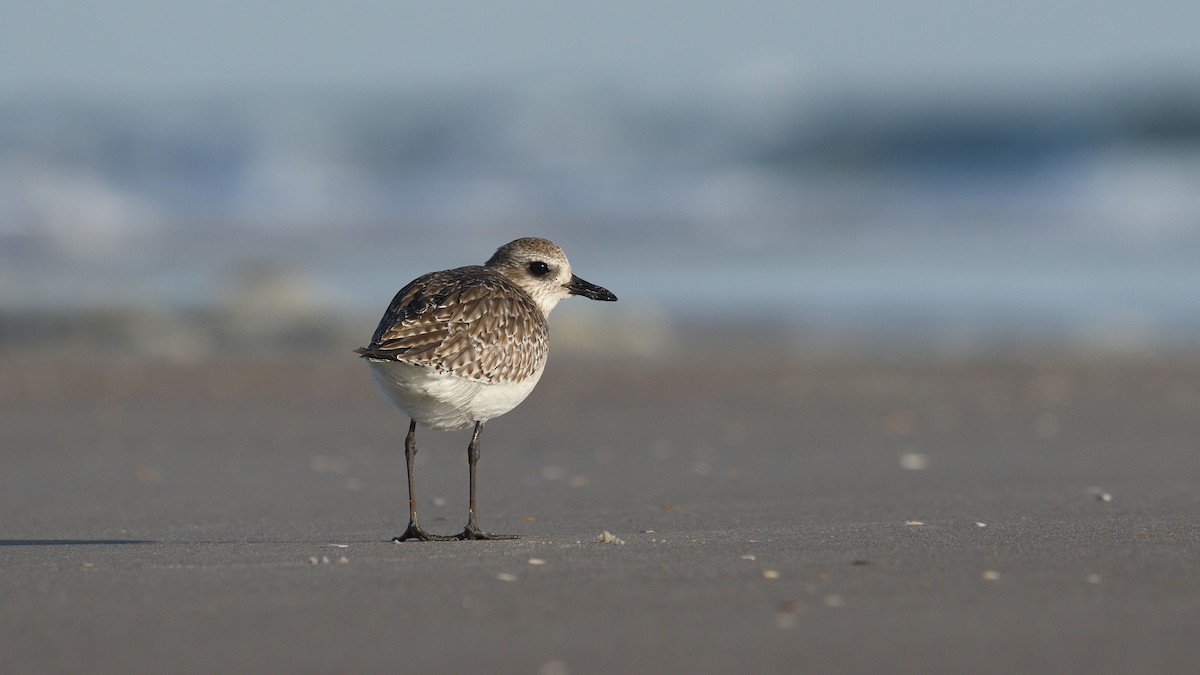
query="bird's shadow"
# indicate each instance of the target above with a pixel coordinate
(73, 542)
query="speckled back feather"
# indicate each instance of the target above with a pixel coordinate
(471, 321)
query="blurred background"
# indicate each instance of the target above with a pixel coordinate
(197, 180)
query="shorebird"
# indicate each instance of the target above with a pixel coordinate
(459, 347)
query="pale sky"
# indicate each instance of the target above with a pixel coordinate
(153, 46)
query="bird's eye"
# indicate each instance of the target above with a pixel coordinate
(538, 268)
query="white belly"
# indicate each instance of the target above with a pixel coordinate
(442, 401)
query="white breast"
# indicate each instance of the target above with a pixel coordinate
(443, 401)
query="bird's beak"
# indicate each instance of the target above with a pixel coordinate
(578, 286)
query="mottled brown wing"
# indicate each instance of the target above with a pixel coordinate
(469, 320)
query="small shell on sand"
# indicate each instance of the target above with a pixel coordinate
(607, 537)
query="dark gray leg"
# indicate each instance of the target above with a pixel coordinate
(472, 530)
(414, 530)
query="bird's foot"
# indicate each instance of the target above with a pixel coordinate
(474, 533)
(414, 531)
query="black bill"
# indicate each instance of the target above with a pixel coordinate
(589, 290)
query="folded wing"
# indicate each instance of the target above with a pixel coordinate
(469, 321)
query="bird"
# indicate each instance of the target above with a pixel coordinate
(459, 347)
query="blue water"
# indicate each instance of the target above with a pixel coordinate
(1078, 216)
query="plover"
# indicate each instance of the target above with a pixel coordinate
(459, 347)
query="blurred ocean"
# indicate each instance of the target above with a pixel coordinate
(954, 219)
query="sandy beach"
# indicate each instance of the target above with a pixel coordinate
(904, 377)
(832, 516)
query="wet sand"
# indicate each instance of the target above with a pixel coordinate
(839, 516)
